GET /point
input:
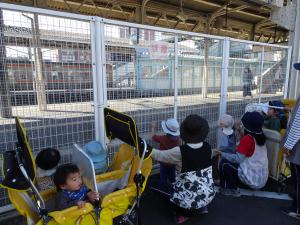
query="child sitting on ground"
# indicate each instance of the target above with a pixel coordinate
(226, 142)
(70, 189)
(249, 164)
(167, 141)
(226, 134)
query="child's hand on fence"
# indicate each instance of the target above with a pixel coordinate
(80, 204)
(93, 196)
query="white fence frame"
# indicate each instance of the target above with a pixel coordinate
(99, 62)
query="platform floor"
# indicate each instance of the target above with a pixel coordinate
(80, 109)
(224, 210)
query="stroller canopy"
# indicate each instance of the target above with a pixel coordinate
(123, 127)
(13, 177)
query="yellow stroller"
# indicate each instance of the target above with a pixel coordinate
(19, 172)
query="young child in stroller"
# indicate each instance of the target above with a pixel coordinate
(70, 189)
(193, 188)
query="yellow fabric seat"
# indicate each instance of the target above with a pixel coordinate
(25, 205)
(117, 203)
(121, 162)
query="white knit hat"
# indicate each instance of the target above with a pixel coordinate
(228, 122)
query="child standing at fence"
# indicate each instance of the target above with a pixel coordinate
(167, 141)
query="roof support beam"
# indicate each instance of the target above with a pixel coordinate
(159, 13)
(144, 3)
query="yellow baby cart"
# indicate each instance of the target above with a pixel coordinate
(19, 175)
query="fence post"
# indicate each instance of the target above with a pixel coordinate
(99, 77)
(175, 75)
(224, 78)
(287, 72)
(233, 77)
(205, 69)
(261, 72)
(5, 101)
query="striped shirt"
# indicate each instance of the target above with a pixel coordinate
(293, 135)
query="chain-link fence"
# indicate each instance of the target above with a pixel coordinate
(256, 73)
(52, 63)
(46, 80)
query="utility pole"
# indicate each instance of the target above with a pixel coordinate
(38, 63)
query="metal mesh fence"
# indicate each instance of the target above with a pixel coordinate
(199, 80)
(273, 74)
(139, 65)
(256, 74)
(243, 72)
(48, 76)
(46, 63)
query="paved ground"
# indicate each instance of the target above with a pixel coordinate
(223, 210)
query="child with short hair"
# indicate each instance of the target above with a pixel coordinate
(70, 189)
(167, 141)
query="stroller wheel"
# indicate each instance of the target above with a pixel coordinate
(129, 219)
(282, 183)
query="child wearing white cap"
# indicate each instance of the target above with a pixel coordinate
(226, 134)
(167, 141)
(226, 142)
